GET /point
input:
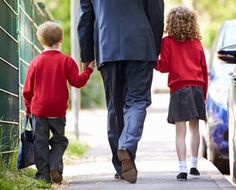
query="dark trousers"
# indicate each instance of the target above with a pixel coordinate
(48, 151)
(127, 87)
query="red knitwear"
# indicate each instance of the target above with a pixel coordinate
(185, 62)
(45, 90)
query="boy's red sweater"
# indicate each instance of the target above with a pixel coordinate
(45, 89)
(185, 62)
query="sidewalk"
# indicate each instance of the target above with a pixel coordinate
(156, 157)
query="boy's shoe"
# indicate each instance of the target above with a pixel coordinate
(194, 171)
(56, 176)
(129, 171)
(182, 176)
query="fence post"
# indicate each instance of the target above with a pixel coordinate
(75, 94)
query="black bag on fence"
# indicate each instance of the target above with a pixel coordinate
(26, 152)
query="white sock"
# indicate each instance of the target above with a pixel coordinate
(194, 162)
(183, 166)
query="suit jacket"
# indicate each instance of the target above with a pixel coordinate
(120, 30)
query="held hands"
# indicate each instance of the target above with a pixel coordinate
(90, 64)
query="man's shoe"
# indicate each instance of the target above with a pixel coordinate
(194, 171)
(118, 176)
(56, 176)
(129, 171)
(182, 176)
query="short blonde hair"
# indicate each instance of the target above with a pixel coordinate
(181, 24)
(49, 33)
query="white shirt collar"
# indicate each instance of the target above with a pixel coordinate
(51, 50)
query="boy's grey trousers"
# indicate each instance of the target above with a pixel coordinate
(49, 147)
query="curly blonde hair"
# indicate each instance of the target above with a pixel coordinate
(181, 24)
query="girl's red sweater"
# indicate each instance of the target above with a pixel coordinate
(45, 89)
(185, 62)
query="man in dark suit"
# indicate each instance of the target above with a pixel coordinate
(126, 36)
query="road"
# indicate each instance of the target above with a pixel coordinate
(156, 157)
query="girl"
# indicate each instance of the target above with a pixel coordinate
(182, 56)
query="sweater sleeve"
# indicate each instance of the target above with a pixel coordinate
(163, 62)
(28, 90)
(205, 73)
(75, 78)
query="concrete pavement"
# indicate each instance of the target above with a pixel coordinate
(156, 157)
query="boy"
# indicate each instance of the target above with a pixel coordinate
(46, 100)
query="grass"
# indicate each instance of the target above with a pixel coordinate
(22, 180)
(76, 148)
(13, 179)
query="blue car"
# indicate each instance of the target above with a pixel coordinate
(215, 144)
(228, 55)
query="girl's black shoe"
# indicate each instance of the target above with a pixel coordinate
(182, 176)
(194, 171)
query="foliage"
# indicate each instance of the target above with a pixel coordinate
(61, 13)
(11, 178)
(76, 148)
(21, 180)
(212, 14)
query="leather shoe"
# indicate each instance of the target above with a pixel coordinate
(128, 171)
(118, 176)
(56, 176)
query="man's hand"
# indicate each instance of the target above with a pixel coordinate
(90, 64)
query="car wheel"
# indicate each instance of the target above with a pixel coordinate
(221, 163)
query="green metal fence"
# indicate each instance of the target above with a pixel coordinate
(9, 69)
(18, 45)
(30, 16)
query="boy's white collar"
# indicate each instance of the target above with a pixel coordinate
(54, 47)
(50, 49)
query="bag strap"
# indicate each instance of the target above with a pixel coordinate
(27, 121)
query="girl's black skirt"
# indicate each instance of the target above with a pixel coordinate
(186, 103)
